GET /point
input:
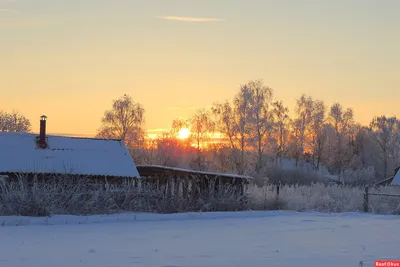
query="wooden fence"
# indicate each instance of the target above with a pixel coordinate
(367, 194)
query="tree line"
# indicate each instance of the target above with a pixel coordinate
(257, 133)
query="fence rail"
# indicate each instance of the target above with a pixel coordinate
(367, 194)
(387, 195)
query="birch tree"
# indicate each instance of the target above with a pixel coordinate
(125, 121)
(201, 130)
(304, 107)
(281, 123)
(225, 122)
(242, 110)
(260, 116)
(341, 121)
(317, 132)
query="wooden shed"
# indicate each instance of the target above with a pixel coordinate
(178, 181)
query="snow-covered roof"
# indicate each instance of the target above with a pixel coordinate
(65, 155)
(173, 169)
(396, 179)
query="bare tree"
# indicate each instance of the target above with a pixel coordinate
(169, 151)
(246, 122)
(179, 124)
(125, 120)
(225, 121)
(14, 122)
(202, 128)
(226, 124)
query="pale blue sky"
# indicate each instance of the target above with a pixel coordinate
(89, 52)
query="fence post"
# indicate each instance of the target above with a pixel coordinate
(277, 191)
(366, 199)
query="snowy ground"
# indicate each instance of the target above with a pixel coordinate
(242, 239)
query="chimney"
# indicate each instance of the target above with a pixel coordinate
(42, 136)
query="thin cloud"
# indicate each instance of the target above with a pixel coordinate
(190, 19)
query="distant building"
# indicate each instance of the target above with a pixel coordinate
(396, 178)
(393, 180)
(31, 154)
(200, 181)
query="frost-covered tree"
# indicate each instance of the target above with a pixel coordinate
(317, 133)
(242, 110)
(385, 133)
(14, 122)
(125, 120)
(342, 122)
(247, 122)
(260, 116)
(280, 130)
(300, 125)
(225, 122)
(363, 146)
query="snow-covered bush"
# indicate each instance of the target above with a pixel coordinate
(359, 175)
(325, 198)
(299, 176)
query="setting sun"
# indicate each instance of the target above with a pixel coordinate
(183, 133)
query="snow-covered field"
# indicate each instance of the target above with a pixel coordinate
(240, 239)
